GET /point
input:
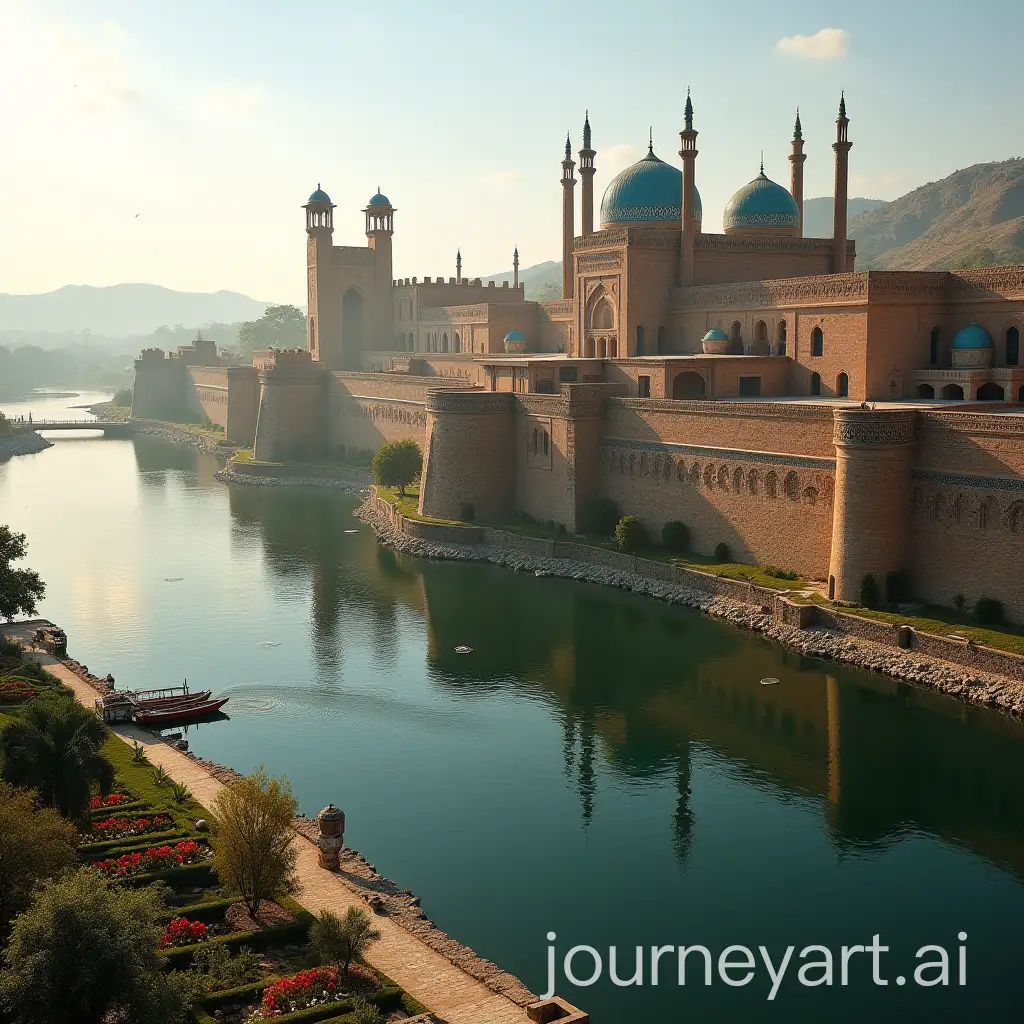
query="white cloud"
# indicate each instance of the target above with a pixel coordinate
(826, 44)
(616, 158)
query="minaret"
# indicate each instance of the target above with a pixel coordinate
(841, 191)
(587, 175)
(568, 219)
(515, 268)
(458, 266)
(323, 327)
(688, 138)
(380, 227)
(796, 173)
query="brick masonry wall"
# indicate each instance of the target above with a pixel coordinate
(776, 512)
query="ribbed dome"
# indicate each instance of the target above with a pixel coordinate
(761, 205)
(319, 196)
(649, 190)
(972, 336)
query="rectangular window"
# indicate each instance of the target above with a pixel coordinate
(545, 386)
(644, 387)
(750, 387)
(568, 374)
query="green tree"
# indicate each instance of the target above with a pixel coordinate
(34, 844)
(397, 464)
(279, 327)
(84, 953)
(255, 851)
(630, 534)
(53, 747)
(340, 940)
(20, 589)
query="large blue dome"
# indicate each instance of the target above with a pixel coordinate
(761, 204)
(972, 336)
(650, 190)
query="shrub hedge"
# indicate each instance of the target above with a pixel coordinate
(599, 516)
(675, 535)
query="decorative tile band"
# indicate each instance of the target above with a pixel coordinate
(1001, 483)
(731, 454)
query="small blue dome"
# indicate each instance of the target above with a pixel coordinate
(716, 334)
(761, 204)
(648, 190)
(379, 200)
(972, 336)
(515, 335)
(319, 196)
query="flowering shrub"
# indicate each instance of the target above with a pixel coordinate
(307, 988)
(156, 858)
(16, 690)
(107, 801)
(183, 932)
(121, 828)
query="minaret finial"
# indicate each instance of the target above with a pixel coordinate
(689, 111)
(586, 130)
(798, 132)
(842, 103)
(568, 147)
(650, 139)
(762, 161)
(318, 186)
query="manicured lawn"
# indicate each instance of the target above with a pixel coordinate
(138, 778)
(213, 433)
(409, 504)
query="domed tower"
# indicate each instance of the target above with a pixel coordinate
(762, 207)
(380, 227)
(319, 242)
(649, 192)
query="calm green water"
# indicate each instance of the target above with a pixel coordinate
(602, 766)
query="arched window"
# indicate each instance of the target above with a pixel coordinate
(639, 339)
(613, 348)
(312, 335)
(545, 440)
(771, 482)
(602, 348)
(991, 392)
(953, 391)
(815, 383)
(661, 340)
(1012, 346)
(933, 351)
(760, 331)
(688, 385)
(533, 443)
(780, 338)
(925, 391)
(458, 343)
(602, 318)
(736, 333)
(817, 342)
(843, 386)
(444, 342)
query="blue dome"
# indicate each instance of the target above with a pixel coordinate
(515, 335)
(972, 336)
(379, 200)
(761, 204)
(649, 190)
(716, 334)
(319, 196)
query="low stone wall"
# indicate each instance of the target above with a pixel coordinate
(170, 432)
(24, 442)
(289, 471)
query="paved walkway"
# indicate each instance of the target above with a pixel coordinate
(426, 975)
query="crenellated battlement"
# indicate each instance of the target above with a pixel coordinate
(467, 283)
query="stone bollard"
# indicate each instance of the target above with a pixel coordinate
(331, 821)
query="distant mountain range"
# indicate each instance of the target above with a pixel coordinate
(542, 281)
(122, 310)
(818, 214)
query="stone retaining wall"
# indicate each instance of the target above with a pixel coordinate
(24, 442)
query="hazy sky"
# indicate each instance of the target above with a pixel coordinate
(174, 143)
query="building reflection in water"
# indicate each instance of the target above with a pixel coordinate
(636, 685)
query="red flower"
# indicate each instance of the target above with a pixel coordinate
(307, 988)
(183, 932)
(107, 801)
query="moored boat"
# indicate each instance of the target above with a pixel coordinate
(155, 703)
(180, 713)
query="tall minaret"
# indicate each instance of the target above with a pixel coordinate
(587, 174)
(688, 138)
(568, 219)
(796, 172)
(515, 268)
(841, 192)
(458, 266)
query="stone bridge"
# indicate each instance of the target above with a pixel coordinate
(109, 428)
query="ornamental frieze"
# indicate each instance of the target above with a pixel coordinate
(865, 427)
(470, 401)
(411, 414)
(454, 314)
(589, 262)
(817, 290)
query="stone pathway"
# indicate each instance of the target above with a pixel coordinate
(423, 973)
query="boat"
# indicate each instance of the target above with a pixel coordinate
(154, 703)
(178, 714)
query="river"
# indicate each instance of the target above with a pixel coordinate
(600, 765)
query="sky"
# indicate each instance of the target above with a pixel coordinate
(175, 143)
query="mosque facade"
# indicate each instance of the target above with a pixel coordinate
(751, 383)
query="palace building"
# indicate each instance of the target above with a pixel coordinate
(752, 384)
